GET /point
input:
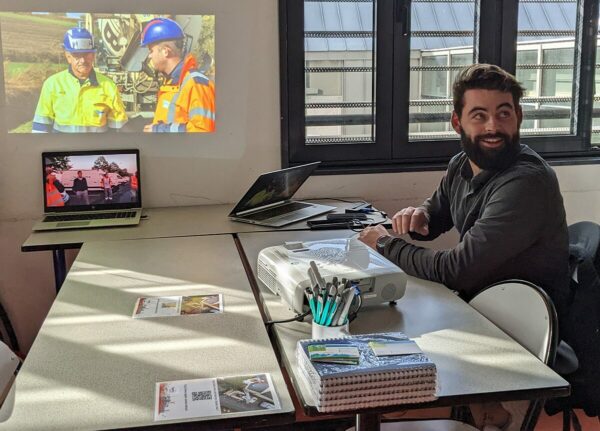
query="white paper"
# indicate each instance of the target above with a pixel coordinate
(408, 347)
(185, 399)
(177, 306)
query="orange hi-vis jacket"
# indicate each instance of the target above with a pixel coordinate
(186, 102)
(53, 196)
(134, 182)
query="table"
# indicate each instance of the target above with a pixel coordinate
(94, 367)
(476, 361)
(157, 223)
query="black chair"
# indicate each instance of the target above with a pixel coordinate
(578, 353)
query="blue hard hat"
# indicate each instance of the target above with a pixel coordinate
(78, 40)
(161, 29)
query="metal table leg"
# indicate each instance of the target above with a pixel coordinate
(60, 268)
(367, 422)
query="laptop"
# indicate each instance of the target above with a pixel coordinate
(90, 189)
(269, 201)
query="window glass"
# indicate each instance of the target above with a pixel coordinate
(441, 39)
(545, 60)
(339, 69)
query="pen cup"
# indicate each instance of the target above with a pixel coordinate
(322, 331)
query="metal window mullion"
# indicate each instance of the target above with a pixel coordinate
(401, 82)
(584, 85)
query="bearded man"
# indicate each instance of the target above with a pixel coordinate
(500, 195)
(505, 202)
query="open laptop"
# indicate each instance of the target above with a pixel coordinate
(90, 189)
(268, 202)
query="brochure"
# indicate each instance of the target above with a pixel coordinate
(337, 354)
(184, 399)
(406, 347)
(177, 306)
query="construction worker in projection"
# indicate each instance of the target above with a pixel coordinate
(186, 101)
(79, 99)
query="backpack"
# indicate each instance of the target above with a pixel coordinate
(581, 325)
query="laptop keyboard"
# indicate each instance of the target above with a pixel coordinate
(96, 216)
(277, 211)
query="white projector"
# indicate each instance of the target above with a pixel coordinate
(284, 270)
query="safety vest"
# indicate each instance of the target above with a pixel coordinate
(66, 105)
(105, 182)
(53, 196)
(188, 105)
(134, 183)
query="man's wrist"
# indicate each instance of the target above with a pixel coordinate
(382, 242)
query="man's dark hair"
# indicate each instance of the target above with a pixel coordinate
(484, 77)
(79, 172)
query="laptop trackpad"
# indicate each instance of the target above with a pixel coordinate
(72, 223)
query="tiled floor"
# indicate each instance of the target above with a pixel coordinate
(554, 423)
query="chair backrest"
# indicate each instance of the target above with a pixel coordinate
(524, 312)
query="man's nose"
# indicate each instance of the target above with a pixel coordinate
(490, 125)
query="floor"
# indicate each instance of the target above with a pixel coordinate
(554, 423)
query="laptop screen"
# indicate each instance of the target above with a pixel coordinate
(274, 187)
(91, 180)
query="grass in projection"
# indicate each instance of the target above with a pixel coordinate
(90, 73)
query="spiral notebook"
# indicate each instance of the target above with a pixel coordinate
(374, 381)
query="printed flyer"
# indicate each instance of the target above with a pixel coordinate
(214, 397)
(165, 306)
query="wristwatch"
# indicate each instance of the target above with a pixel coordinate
(382, 241)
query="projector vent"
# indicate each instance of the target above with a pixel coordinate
(267, 277)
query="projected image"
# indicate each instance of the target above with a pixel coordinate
(91, 180)
(96, 73)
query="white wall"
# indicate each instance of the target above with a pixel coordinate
(205, 169)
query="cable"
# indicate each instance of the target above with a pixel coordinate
(347, 201)
(298, 318)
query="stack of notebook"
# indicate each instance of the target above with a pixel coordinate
(390, 370)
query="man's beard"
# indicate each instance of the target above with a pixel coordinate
(491, 158)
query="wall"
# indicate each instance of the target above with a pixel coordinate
(206, 169)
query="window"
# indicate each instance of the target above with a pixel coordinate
(367, 84)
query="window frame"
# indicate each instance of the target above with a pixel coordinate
(392, 150)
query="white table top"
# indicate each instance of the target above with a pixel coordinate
(94, 367)
(476, 361)
(162, 223)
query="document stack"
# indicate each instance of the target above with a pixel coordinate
(390, 370)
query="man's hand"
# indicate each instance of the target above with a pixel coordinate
(411, 219)
(148, 128)
(369, 235)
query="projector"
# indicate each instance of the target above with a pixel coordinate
(284, 270)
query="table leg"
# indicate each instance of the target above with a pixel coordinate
(60, 268)
(367, 422)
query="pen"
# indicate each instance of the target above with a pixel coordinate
(336, 304)
(340, 306)
(311, 301)
(314, 282)
(348, 297)
(320, 280)
(319, 307)
(331, 289)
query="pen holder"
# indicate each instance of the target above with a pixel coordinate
(322, 331)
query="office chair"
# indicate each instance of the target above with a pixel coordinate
(526, 314)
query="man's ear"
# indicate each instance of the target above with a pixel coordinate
(519, 112)
(455, 121)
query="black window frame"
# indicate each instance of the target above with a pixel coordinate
(496, 43)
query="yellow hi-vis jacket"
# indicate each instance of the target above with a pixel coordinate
(66, 105)
(186, 102)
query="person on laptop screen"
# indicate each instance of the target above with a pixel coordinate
(54, 191)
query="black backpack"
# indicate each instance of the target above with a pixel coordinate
(580, 327)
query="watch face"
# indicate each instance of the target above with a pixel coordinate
(381, 242)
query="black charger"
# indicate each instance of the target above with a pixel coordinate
(346, 217)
